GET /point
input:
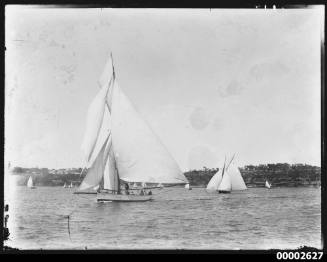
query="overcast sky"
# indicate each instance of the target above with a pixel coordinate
(210, 83)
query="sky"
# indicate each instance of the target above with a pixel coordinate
(210, 83)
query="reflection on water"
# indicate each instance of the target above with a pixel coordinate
(257, 218)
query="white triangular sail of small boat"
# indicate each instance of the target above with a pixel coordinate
(139, 154)
(187, 186)
(226, 183)
(95, 172)
(71, 185)
(30, 182)
(134, 185)
(236, 178)
(267, 185)
(65, 185)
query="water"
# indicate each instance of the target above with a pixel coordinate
(257, 218)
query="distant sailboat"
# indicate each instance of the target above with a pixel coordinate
(227, 179)
(125, 152)
(267, 185)
(65, 185)
(187, 186)
(30, 183)
(71, 185)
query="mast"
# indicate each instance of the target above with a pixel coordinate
(117, 177)
(222, 174)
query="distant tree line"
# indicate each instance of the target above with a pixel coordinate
(280, 174)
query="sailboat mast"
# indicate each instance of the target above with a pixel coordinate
(117, 177)
(222, 173)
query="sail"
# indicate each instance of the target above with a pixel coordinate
(267, 185)
(215, 181)
(236, 178)
(187, 186)
(30, 182)
(94, 122)
(140, 156)
(107, 73)
(226, 183)
(110, 178)
(95, 172)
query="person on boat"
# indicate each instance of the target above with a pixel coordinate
(142, 192)
(126, 189)
(150, 193)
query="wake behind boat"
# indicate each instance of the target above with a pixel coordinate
(120, 148)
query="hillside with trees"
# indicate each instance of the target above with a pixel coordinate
(279, 175)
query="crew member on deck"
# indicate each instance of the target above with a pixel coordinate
(126, 189)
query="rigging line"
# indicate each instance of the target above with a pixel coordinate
(230, 161)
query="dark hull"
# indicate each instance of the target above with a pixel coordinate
(94, 193)
(223, 192)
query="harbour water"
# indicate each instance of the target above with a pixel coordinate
(257, 218)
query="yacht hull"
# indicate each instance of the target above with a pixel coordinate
(223, 192)
(108, 197)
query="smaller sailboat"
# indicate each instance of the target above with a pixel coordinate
(227, 179)
(71, 185)
(267, 185)
(187, 186)
(30, 183)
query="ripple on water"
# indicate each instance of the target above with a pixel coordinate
(255, 218)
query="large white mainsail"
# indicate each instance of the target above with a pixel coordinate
(139, 154)
(236, 178)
